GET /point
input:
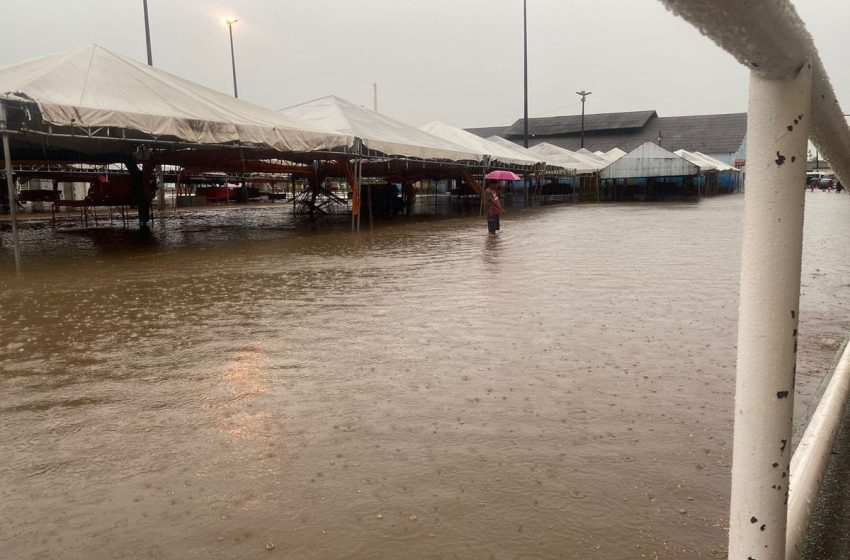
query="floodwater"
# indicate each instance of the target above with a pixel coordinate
(243, 386)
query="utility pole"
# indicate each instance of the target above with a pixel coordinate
(147, 32)
(583, 95)
(375, 96)
(525, 72)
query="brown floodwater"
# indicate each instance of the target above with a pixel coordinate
(242, 385)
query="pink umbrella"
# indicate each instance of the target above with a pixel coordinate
(499, 175)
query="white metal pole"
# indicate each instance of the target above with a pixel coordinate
(811, 457)
(777, 132)
(13, 201)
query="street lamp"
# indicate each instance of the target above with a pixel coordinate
(583, 95)
(525, 73)
(147, 32)
(229, 21)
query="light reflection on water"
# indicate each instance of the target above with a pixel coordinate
(239, 379)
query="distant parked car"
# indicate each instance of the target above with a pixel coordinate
(826, 183)
(814, 176)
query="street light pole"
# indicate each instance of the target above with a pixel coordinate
(160, 186)
(147, 32)
(230, 21)
(525, 72)
(583, 95)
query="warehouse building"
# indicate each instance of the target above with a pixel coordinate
(720, 136)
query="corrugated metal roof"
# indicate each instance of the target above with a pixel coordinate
(709, 134)
(554, 126)
(488, 131)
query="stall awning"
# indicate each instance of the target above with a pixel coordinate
(379, 133)
(649, 160)
(498, 154)
(565, 158)
(91, 87)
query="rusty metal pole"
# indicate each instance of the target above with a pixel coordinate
(777, 131)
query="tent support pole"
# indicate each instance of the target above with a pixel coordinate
(351, 177)
(13, 202)
(771, 255)
(359, 201)
(160, 191)
(473, 184)
(368, 193)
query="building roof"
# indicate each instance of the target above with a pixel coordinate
(556, 126)
(709, 134)
(488, 131)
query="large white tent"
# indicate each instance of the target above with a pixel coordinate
(579, 163)
(515, 147)
(378, 132)
(111, 96)
(706, 163)
(701, 163)
(649, 160)
(498, 154)
(611, 155)
(721, 166)
(587, 154)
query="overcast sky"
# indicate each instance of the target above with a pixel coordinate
(459, 61)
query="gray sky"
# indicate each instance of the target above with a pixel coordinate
(459, 61)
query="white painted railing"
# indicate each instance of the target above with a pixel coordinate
(790, 99)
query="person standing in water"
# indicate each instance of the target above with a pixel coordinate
(494, 207)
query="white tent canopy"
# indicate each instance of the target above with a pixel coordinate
(600, 160)
(701, 163)
(611, 155)
(706, 163)
(721, 166)
(649, 160)
(378, 132)
(499, 154)
(515, 147)
(565, 158)
(93, 87)
(526, 152)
